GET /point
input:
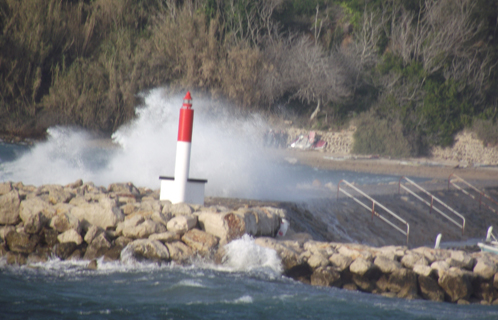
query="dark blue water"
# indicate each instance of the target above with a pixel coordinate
(171, 292)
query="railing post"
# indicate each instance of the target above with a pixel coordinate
(432, 202)
(373, 209)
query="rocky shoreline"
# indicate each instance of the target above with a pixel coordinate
(86, 222)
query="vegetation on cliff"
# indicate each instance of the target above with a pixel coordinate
(411, 73)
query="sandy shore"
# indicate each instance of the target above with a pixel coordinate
(417, 167)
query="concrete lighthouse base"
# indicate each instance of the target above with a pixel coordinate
(193, 193)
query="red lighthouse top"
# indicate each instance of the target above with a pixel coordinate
(187, 101)
(186, 119)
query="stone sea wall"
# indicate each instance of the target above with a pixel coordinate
(84, 221)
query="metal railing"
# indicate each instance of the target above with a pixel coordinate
(374, 203)
(431, 204)
(481, 193)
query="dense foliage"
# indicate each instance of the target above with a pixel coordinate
(410, 73)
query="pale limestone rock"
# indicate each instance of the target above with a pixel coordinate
(404, 283)
(165, 237)
(318, 247)
(57, 194)
(411, 259)
(340, 261)
(92, 233)
(65, 221)
(199, 241)
(180, 209)
(70, 236)
(386, 265)
(161, 218)
(182, 223)
(9, 207)
(429, 287)
(103, 214)
(317, 260)
(325, 276)
(179, 251)
(360, 266)
(226, 226)
(440, 266)
(4, 230)
(5, 187)
(456, 283)
(288, 251)
(143, 230)
(149, 249)
(485, 268)
(355, 252)
(422, 270)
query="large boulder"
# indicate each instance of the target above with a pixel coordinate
(226, 226)
(5, 187)
(64, 250)
(92, 233)
(267, 221)
(161, 218)
(4, 230)
(412, 258)
(360, 266)
(57, 194)
(429, 288)
(386, 265)
(179, 252)
(182, 223)
(21, 242)
(460, 259)
(35, 213)
(65, 221)
(456, 283)
(99, 246)
(70, 235)
(200, 242)
(288, 251)
(317, 260)
(485, 268)
(9, 208)
(105, 213)
(149, 249)
(165, 237)
(325, 276)
(143, 230)
(340, 261)
(404, 283)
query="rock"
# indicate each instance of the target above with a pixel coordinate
(360, 266)
(104, 214)
(143, 230)
(364, 283)
(267, 221)
(4, 230)
(350, 287)
(325, 276)
(226, 226)
(179, 252)
(317, 247)
(394, 253)
(64, 250)
(127, 189)
(92, 265)
(411, 259)
(5, 187)
(37, 257)
(404, 283)
(14, 258)
(440, 266)
(485, 268)
(161, 218)
(432, 255)
(180, 209)
(49, 237)
(122, 241)
(99, 246)
(249, 218)
(78, 183)
(429, 288)
(455, 283)
(148, 208)
(9, 207)
(35, 213)
(149, 249)
(182, 223)
(421, 270)
(340, 261)
(288, 251)
(199, 241)
(92, 233)
(70, 236)
(57, 194)
(21, 242)
(495, 281)
(386, 265)
(354, 252)
(65, 221)
(461, 260)
(317, 260)
(485, 292)
(165, 237)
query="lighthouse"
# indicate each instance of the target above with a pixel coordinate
(181, 188)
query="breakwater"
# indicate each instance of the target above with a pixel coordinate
(86, 222)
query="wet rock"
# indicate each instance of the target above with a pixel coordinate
(325, 276)
(179, 251)
(455, 283)
(21, 242)
(182, 223)
(92, 265)
(64, 250)
(404, 283)
(15, 258)
(200, 242)
(99, 246)
(288, 251)
(429, 288)
(364, 283)
(149, 249)
(49, 237)
(9, 208)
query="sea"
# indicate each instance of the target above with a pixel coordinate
(227, 150)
